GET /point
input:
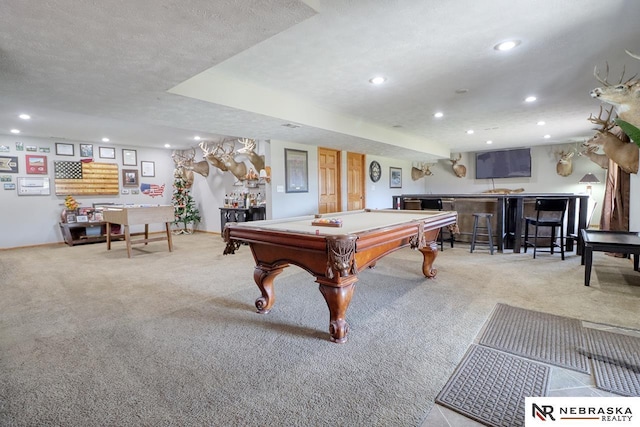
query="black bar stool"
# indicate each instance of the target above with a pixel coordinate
(436, 204)
(476, 225)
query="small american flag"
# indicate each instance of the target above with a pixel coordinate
(152, 190)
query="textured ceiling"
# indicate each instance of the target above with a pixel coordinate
(146, 73)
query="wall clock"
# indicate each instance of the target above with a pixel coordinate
(375, 171)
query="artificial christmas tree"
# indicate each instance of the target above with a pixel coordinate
(186, 213)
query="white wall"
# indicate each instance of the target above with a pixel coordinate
(33, 220)
(544, 178)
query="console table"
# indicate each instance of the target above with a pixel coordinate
(138, 215)
(78, 233)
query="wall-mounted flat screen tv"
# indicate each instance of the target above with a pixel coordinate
(503, 164)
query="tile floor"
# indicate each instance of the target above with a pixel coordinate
(562, 382)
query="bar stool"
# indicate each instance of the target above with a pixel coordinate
(487, 227)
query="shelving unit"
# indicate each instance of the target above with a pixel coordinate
(78, 233)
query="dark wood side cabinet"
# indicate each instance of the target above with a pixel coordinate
(78, 233)
(254, 213)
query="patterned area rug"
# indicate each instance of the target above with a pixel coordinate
(616, 361)
(538, 336)
(489, 386)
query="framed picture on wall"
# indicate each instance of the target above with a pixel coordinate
(64, 149)
(129, 177)
(296, 171)
(86, 150)
(395, 177)
(148, 168)
(36, 165)
(107, 152)
(129, 157)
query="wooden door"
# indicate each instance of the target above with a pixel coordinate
(329, 180)
(355, 181)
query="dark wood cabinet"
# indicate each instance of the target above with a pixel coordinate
(254, 213)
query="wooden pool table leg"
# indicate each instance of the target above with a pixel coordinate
(264, 275)
(338, 299)
(429, 253)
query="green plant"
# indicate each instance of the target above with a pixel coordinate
(632, 132)
(185, 206)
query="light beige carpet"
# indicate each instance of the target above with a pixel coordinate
(89, 337)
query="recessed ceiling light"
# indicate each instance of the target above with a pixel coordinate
(470, 131)
(489, 142)
(167, 145)
(378, 80)
(105, 139)
(197, 138)
(530, 99)
(541, 123)
(15, 130)
(547, 136)
(506, 45)
(438, 115)
(24, 116)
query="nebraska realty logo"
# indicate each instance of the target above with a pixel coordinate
(582, 411)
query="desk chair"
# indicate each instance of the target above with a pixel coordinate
(436, 204)
(550, 214)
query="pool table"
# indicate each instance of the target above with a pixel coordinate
(335, 254)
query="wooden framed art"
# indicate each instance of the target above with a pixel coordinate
(296, 171)
(129, 177)
(129, 157)
(64, 149)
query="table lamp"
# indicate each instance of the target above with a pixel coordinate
(589, 179)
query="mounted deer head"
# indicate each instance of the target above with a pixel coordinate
(186, 166)
(625, 97)
(590, 151)
(248, 149)
(213, 153)
(624, 154)
(238, 169)
(459, 170)
(420, 170)
(564, 167)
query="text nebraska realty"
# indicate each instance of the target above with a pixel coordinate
(609, 413)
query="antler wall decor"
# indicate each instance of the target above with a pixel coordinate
(186, 165)
(222, 154)
(625, 154)
(458, 169)
(420, 170)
